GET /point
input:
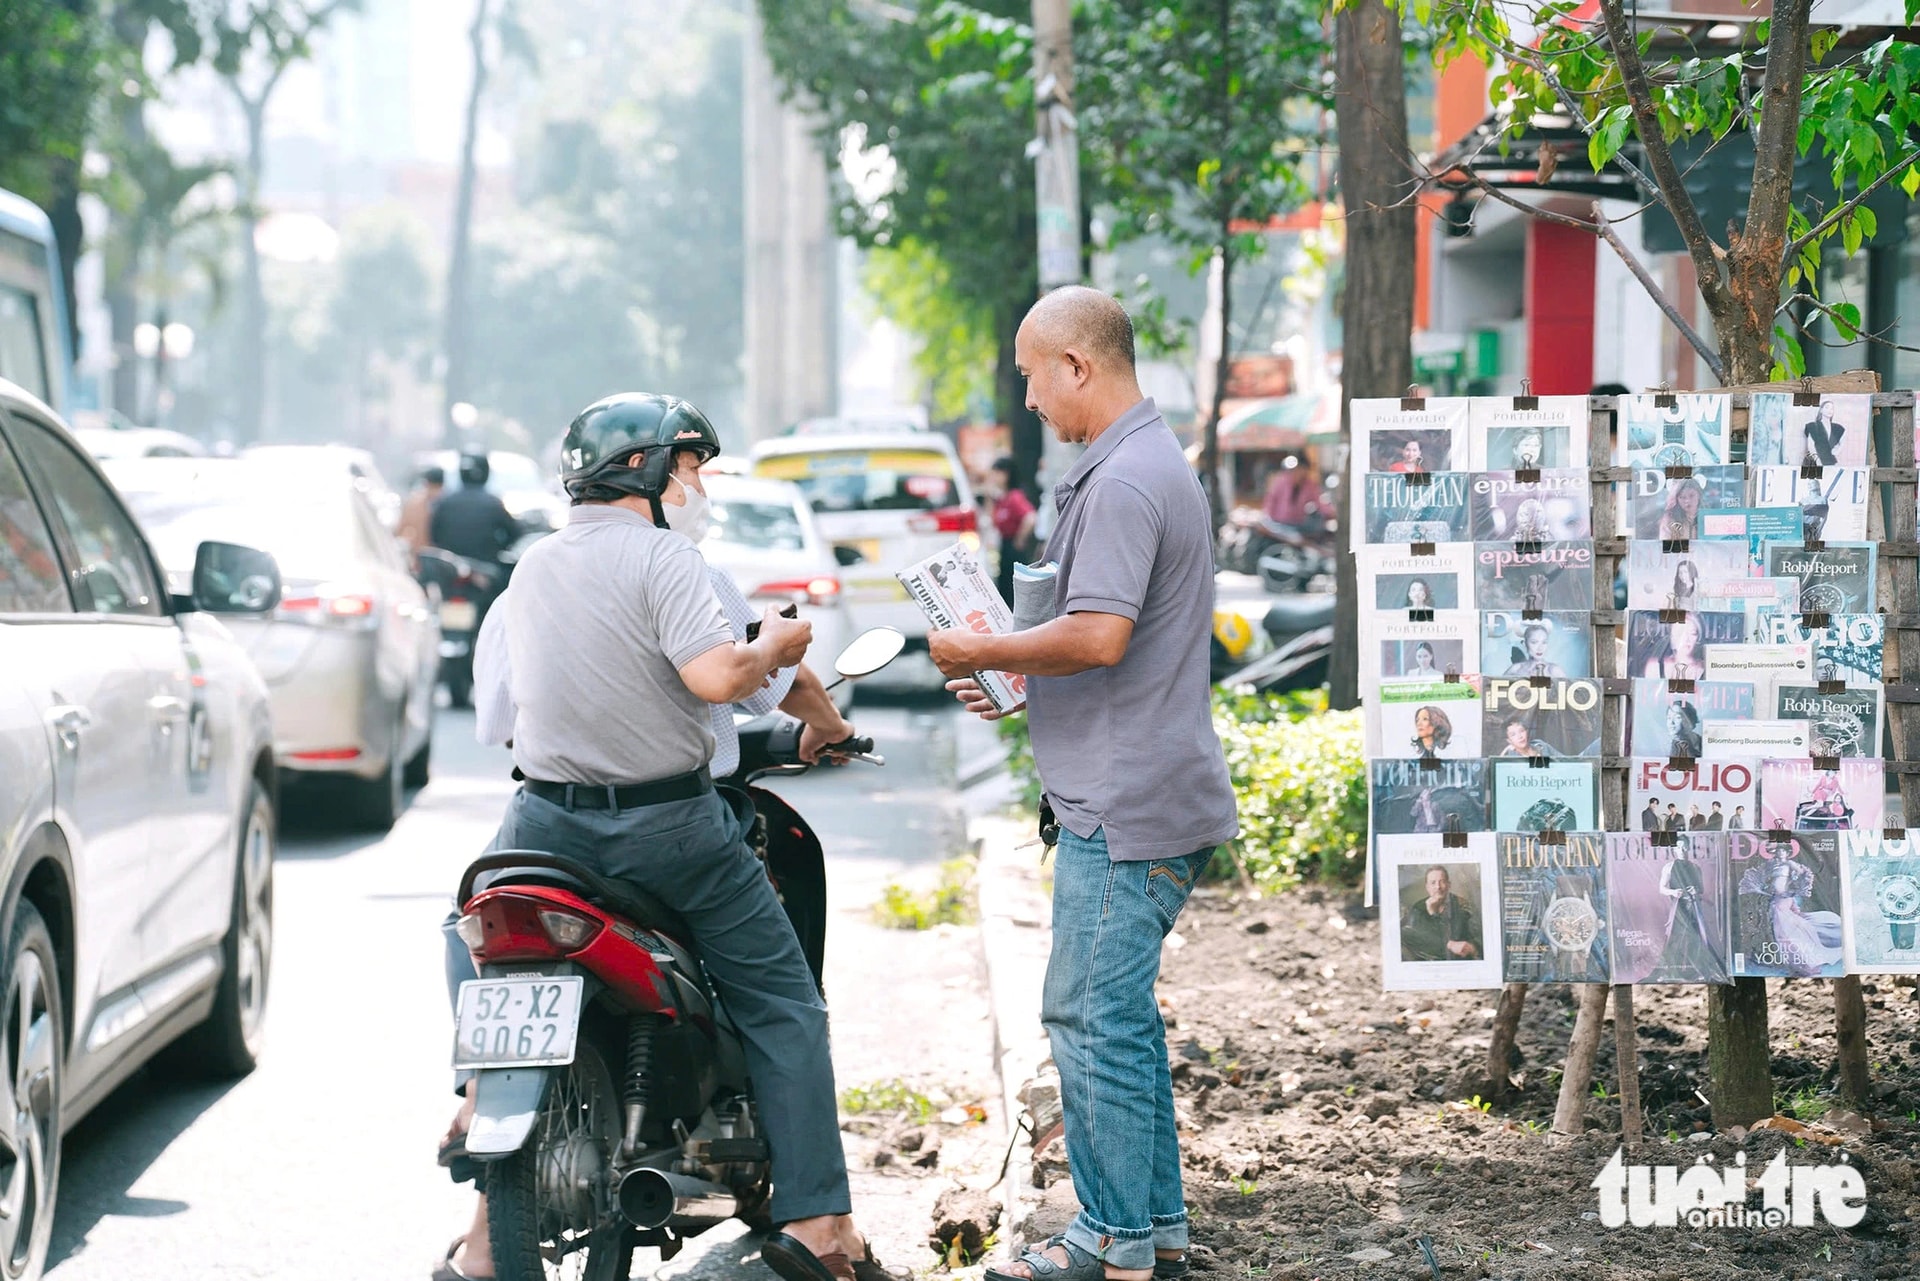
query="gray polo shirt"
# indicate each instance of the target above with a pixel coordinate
(1131, 748)
(601, 616)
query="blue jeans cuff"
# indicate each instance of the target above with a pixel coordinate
(1128, 1249)
(1170, 1231)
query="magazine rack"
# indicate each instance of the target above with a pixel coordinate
(1891, 525)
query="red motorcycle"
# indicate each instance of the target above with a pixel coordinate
(613, 1109)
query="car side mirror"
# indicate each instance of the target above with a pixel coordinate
(846, 555)
(230, 579)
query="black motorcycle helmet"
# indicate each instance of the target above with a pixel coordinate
(475, 470)
(625, 445)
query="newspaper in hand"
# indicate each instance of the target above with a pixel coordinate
(955, 594)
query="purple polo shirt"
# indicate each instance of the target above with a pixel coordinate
(1131, 748)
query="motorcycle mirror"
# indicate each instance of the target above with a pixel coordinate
(870, 651)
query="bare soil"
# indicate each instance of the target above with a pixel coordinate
(1323, 1119)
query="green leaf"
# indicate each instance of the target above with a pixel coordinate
(1790, 360)
(1846, 319)
(1823, 42)
(1868, 220)
(1910, 181)
(1850, 233)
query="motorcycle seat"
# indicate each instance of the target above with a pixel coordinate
(531, 867)
(1292, 615)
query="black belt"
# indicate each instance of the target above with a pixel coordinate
(626, 796)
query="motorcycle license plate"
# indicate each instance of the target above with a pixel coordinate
(457, 615)
(517, 1022)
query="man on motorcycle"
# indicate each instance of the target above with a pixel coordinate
(470, 521)
(618, 648)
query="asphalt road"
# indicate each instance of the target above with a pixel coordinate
(319, 1166)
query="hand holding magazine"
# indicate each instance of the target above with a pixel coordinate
(955, 594)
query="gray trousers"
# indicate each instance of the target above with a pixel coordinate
(693, 856)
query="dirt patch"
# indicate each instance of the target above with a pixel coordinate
(1327, 1126)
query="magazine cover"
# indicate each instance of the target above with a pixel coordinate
(1837, 579)
(1554, 576)
(1765, 665)
(1836, 433)
(1557, 644)
(1519, 718)
(1849, 648)
(1842, 724)
(1715, 796)
(1530, 796)
(1399, 511)
(1427, 651)
(1694, 432)
(1796, 797)
(1667, 908)
(1787, 904)
(1393, 578)
(1677, 650)
(1756, 740)
(1556, 507)
(1433, 438)
(1440, 924)
(1426, 718)
(1660, 507)
(1756, 527)
(1832, 505)
(1552, 435)
(1411, 797)
(1553, 908)
(1668, 724)
(1659, 579)
(1880, 893)
(1757, 598)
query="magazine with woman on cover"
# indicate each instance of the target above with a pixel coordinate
(1558, 644)
(1667, 723)
(1796, 795)
(1421, 797)
(1658, 579)
(1436, 719)
(1552, 434)
(1393, 578)
(1554, 506)
(1832, 504)
(1674, 646)
(1534, 577)
(1837, 432)
(1787, 919)
(1667, 908)
(1664, 507)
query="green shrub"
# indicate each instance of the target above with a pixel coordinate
(1299, 778)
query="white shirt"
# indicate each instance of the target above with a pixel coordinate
(493, 671)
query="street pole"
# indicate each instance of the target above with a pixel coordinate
(1055, 151)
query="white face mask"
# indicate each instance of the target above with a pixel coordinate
(693, 519)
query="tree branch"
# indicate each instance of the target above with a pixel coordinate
(1660, 299)
(1842, 210)
(1659, 156)
(1827, 309)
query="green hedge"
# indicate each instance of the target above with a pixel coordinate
(1299, 777)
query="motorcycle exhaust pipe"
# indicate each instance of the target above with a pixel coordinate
(655, 1199)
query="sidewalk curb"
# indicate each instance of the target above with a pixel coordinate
(1015, 940)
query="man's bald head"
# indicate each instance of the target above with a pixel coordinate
(1078, 317)
(1075, 349)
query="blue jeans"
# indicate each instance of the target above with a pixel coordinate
(1111, 1047)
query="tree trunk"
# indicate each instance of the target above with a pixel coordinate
(68, 234)
(1626, 1054)
(130, 25)
(1010, 407)
(1570, 1114)
(1210, 439)
(1377, 359)
(250, 382)
(1506, 1029)
(456, 331)
(1850, 1026)
(1739, 1069)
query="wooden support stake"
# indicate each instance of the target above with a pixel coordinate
(1506, 1030)
(1850, 1024)
(1570, 1117)
(1626, 1053)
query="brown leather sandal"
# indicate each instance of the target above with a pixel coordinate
(793, 1261)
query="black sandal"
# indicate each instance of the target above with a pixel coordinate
(453, 1157)
(446, 1271)
(793, 1261)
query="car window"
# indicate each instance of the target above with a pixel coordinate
(30, 578)
(851, 480)
(768, 526)
(114, 575)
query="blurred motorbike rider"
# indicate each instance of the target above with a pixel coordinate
(471, 521)
(616, 646)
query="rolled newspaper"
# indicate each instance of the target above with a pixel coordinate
(955, 594)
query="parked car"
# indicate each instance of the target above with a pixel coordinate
(351, 654)
(138, 442)
(885, 501)
(532, 493)
(137, 809)
(357, 465)
(765, 536)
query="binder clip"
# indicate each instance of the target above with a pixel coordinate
(1815, 619)
(1539, 761)
(1526, 475)
(1412, 402)
(1526, 401)
(1832, 687)
(1687, 764)
(1893, 833)
(1538, 681)
(1679, 685)
(1550, 834)
(1533, 613)
(1779, 836)
(1419, 616)
(1826, 764)
(1806, 397)
(1674, 546)
(1661, 836)
(1432, 763)
(1811, 470)
(1679, 471)
(1665, 399)
(1423, 549)
(1455, 837)
(1673, 615)
(1529, 547)
(1452, 676)
(1815, 544)
(1418, 478)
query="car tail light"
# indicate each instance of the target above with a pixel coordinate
(822, 590)
(328, 605)
(947, 520)
(329, 754)
(509, 928)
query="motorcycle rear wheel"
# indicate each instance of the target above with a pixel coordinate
(551, 1215)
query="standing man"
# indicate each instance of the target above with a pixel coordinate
(416, 514)
(1123, 736)
(1013, 519)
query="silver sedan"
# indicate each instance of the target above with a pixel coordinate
(352, 653)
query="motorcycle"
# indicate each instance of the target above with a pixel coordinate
(612, 1110)
(1300, 628)
(1296, 560)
